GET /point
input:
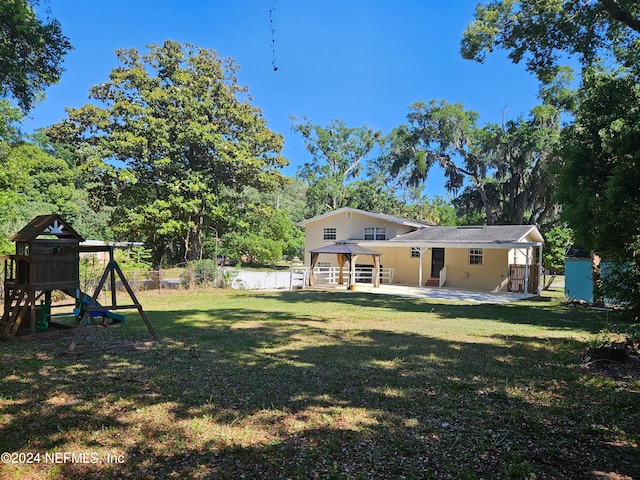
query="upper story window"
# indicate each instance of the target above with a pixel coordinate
(375, 233)
(476, 256)
(329, 234)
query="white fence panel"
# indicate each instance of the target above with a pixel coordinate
(261, 280)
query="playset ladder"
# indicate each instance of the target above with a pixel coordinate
(15, 308)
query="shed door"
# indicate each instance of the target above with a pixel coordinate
(437, 262)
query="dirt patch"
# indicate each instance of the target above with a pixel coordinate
(618, 360)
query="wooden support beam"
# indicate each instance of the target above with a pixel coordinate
(110, 271)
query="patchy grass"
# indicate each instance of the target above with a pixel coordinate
(314, 384)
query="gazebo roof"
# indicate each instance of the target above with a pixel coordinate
(348, 247)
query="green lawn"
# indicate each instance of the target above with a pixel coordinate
(313, 384)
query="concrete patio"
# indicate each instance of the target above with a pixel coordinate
(435, 293)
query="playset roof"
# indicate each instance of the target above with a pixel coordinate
(50, 225)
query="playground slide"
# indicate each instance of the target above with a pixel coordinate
(86, 299)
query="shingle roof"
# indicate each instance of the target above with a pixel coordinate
(383, 216)
(345, 247)
(485, 234)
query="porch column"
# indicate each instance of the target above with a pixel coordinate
(540, 271)
(526, 272)
(420, 268)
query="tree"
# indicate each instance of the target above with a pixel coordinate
(10, 199)
(31, 52)
(9, 136)
(93, 218)
(339, 154)
(262, 234)
(372, 195)
(436, 210)
(543, 33)
(470, 207)
(48, 183)
(10, 118)
(438, 133)
(506, 166)
(261, 225)
(523, 151)
(171, 128)
(599, 182)
(598, 179)
(556, 242)
(33, 183)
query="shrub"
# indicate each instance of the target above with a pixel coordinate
(206, 273)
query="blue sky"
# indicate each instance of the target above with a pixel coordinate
(364, 61)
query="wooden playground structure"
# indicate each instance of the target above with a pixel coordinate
(47, 259)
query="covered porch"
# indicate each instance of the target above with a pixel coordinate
(522, 270)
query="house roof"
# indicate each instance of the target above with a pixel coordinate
(345, 247)
(382, 216)
(485, 235)
(53, 225)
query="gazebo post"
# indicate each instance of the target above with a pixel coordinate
(352, 269)
(341, 264)
(314, 261)
(376, 270)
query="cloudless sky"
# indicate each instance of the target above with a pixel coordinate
(365, 61)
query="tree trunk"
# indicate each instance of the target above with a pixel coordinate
(598, 297)
(485, 203)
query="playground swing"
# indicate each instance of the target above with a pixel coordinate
(49, 319)
(82, 299)
(48, 258)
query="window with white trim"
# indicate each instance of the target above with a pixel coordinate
(476, 256)
(375, 233)
(329, 234)
(415, 252)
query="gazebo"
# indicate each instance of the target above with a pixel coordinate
(347, 252)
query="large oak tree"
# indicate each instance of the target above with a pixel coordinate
(504, 166)
(166, 132)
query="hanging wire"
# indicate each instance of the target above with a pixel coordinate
(273, 36)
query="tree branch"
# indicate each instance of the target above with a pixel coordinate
(618, 13)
